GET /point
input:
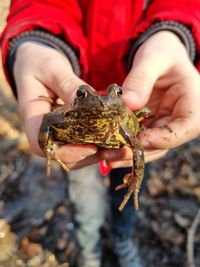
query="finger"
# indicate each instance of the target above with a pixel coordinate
(59, 76)
(115, 154)
(66, 86)
(125, 154)
(73, 153)
(152, 155)
(140, 81)
(169, 136)
(32, 109)
(50, 67)
(93, 159)
(149, 156)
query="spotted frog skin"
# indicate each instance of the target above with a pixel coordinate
(103, 120)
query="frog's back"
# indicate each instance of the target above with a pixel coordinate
(100, 131)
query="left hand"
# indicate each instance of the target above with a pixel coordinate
(164, 79)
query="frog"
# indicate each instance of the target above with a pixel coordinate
(100, 119)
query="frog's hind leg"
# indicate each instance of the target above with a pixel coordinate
(48, 166)
(134, 179)
(62, 164)
(132, 189)
(51, 155)
(47, 143)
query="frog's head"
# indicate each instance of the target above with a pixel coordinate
(85, 96)
(87, 99)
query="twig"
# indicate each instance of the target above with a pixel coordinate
(190, 240)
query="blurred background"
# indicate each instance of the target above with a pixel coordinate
(4, 5)
(36, 227)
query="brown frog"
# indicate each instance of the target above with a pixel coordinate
(103, 120)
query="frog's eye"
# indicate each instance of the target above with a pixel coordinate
(118, 91)
(81, 93)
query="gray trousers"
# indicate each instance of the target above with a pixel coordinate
(91, 200)
(88, 198)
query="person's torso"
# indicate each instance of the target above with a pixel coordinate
(107, 27)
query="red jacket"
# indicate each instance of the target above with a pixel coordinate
(99, 30)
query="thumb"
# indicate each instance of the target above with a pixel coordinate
(140, 81)
(57, 75)
(61, 79)
(66, 87)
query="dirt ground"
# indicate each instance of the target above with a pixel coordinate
(36, 227)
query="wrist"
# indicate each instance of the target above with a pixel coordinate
(162, 51)
(32, 57)
(44, 39)
(166, 42)
(178, 29)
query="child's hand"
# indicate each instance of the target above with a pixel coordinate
(163, 78)
(42, 71)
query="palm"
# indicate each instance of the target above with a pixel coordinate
(167, 102)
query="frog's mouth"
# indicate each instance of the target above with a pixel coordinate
(101, 114)
(95, 113)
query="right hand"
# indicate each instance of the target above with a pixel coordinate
(43, 71)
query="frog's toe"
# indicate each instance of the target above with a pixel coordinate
(127, 182)
(51, 155)
(126, 199)
(136, 204)
(62, 164)
(48, 167)
(133, 188)
(121, 186)
(128, 179)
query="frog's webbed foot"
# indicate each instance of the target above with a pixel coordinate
(133, 188)
(50, 154)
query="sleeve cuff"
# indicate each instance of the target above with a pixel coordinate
(179, 29)
(44, 38)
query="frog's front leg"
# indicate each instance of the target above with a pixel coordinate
(46, 141)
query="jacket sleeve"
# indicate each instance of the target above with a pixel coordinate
(60, 17)
(186, 12)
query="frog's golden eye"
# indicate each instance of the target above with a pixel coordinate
(115, 89)
(81, 93)
(118, 91)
